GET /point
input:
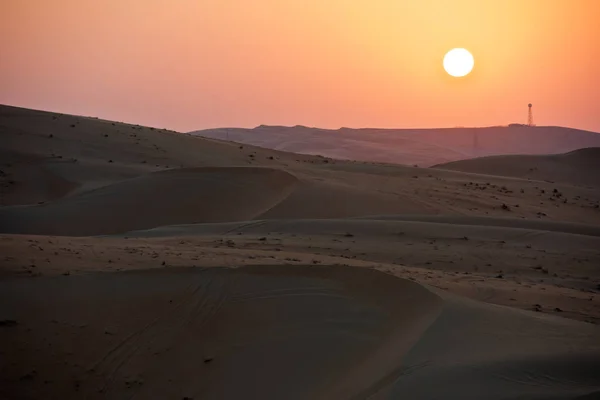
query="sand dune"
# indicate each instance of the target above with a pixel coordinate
(577, 167)
(424, 147)
(205, 195)
(161, 198)
(77, 153)
(244, 333)
(471, 280)
(81, 154)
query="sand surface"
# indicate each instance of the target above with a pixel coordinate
(137, 262)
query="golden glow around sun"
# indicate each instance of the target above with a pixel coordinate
(458, 62)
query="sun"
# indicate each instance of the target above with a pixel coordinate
(458, 62)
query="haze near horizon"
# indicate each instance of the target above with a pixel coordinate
(198, 65)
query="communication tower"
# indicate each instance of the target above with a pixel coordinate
(530, 115)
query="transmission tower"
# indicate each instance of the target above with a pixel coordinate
(530, 115)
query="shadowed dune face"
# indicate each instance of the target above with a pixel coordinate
(202, 333)
(246, 333)
(36, 180)
(162, 198)
(579, 167)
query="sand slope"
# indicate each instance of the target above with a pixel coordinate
(161, 198)
(246, 333)
(424, 147)
(82, 153)
(578, 167)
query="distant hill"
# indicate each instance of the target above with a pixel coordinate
(579, 167)
(424, 147)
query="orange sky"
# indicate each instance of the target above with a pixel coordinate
(186, 64)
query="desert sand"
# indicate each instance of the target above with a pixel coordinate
(138, 262)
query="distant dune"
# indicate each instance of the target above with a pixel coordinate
(424, 147)
(143, 263)
(579, 167)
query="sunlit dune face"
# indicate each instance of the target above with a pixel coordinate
(458, 62)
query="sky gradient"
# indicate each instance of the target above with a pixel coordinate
(188, 65)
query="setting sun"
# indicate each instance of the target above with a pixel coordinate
(458, 62)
